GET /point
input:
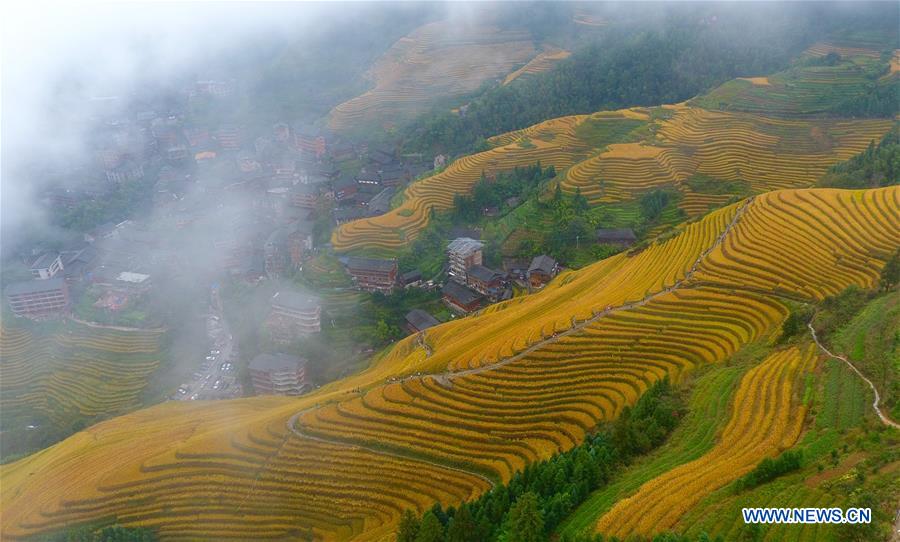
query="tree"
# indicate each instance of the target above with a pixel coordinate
(462, 527)
(430, 530)
(525, 522)
(890, 275)
(408, 528)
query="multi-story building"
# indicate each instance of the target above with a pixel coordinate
(293, 314)
(278, 374)
(373, 275)
(38, 299)
(229, 138)
(305, 196)
(463, 253)
(127, 171)
(299, 242)
(47, 265)
(309, 140)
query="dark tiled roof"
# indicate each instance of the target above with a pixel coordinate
(370, 264)
(411, 276)
(484, 274)
(420, 319)
(349, 213)
(276, 362)
(45, 260)
(295, 300)
(460, 293)
(381, 203)
(542, 263)
(464, 245)
(35, 286)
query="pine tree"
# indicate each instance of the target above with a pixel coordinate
(525, 523)
(462, 527)
(430, 530)
(408, 528)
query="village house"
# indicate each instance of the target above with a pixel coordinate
(177, 153)
(275, 253)
(129, 170)
(213, 88)
(411, 278)
(293, 314)
(381, 203)
(310, 140)
(345, 188)
(418, 320)
(542, 269)
(278, 374)
(394, 175)
(299, 243)
(38, 299)
(373, 275)
(348, 214)
(381, 156)
(463, 253)
(282, 132)
(342, 150)
(486, 281)
(305, 196)
(46, 265)
(459, 298)
(366, 178)
(197, 138)
(623, 237)
(229, 138)
(78, 261)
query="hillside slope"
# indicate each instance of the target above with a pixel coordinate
(514, 384)
(750, 135)
(54, 382)
(439, 59)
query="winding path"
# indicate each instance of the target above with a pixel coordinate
(884, 419)
(445, 378)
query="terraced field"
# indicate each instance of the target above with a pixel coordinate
(78, 371)
(805, 89)
(552, 143)
(513, 384)
(438, 59)
(768, 153)
(541, 63)
(616, 156)
(766, 418)
(695, 436)
(840, 405)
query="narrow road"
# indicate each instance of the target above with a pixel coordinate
(444, 378)
(884, 419)
(450, 375)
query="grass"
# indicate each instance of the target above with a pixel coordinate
(872, 341)
(695, 435)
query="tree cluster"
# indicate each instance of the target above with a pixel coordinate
(538, 499)
(494, 193)
(769, 469)
(878, 165)
(632, 65)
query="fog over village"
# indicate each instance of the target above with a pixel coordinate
(445, 271)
